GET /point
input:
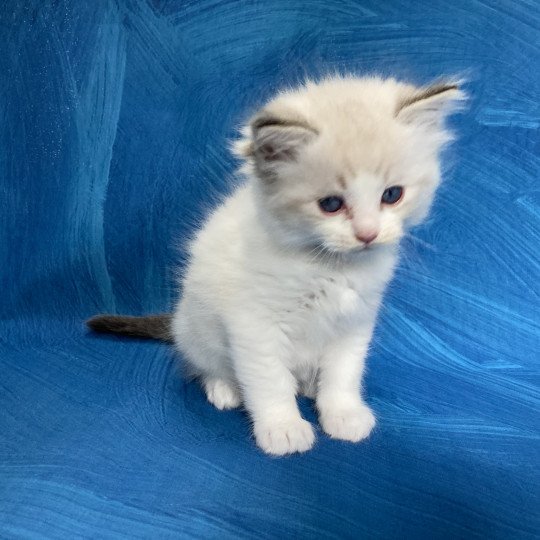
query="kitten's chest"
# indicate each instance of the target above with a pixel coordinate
(319, 308)
(315, 305)
(328, 297)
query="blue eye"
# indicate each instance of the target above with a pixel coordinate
(331, 204)
(392, 195)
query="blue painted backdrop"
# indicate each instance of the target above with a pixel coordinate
(113, 121)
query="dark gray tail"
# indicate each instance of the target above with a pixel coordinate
(152, 326)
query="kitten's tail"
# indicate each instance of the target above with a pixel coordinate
(151, 326)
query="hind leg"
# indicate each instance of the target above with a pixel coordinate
(206, 353)
(221, 393)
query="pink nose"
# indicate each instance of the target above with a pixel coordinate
(367, 237)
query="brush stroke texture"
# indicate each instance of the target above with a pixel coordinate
(113, 116)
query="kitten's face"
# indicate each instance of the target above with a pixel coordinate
(347, 196)
(348, 164)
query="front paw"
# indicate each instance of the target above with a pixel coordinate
(284, 437)
(349, 424)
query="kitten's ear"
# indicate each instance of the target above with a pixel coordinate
(429, 106)
(279, 137)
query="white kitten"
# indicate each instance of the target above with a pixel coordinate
(285, 279)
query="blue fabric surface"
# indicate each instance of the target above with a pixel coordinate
(113, 117)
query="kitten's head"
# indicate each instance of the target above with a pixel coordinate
(348, 163)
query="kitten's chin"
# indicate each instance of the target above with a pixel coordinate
(366, 250)
(339, 255)
(329, 254)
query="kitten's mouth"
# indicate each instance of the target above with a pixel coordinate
(362, 248)
(369, 248)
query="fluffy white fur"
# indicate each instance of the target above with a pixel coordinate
(280, 298)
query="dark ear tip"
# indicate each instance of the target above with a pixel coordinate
(428, 92)
(266, 119)
(263, 121)
(449, 86)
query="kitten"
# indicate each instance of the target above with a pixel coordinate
(285, 279)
